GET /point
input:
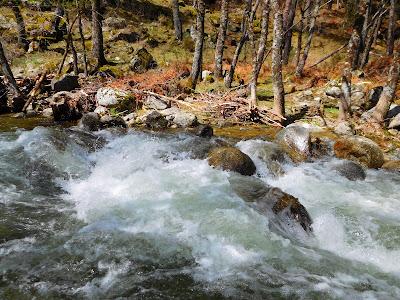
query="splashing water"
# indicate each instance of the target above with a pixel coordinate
(146, 217)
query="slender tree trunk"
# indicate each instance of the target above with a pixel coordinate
(176, 19)
(253, 80)
(22, 37)
(5, 68)
(303, 59)
(263, 39)
(300, 36)
(198, 52)
(277, 78)
(74, 55)
(82, 37)
(369, 40)
(389, 91)
(290, 13)
(239, 47)
(391, 28)
(219, 49)
(97, 34)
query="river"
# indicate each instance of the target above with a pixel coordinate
(143, 216)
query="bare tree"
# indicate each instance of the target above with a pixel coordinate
(277, 78)
(257, 54)
(22, 37)
(389, 91)
(391, 27)
(5, 68)
(176, 19)
(198, 52)
(97, 34)
(219, 49)
(244, 38)
(303, 58)
(82, 37)
(289, 15)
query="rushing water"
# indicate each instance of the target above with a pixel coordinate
(142, 215)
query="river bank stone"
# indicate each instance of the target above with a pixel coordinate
(65, 106)
(359, 149)
(65, 83)
(90, 122)
(109, 97)
(231, 159)
(391, 165)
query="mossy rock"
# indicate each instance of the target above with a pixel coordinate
(142, 61)
(231, 159)
(361, 150)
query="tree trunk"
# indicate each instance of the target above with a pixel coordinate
(5, 68)
(239, 47)
(391, 28)
(277, 79)
(300, 36)
(303, 59)
(263, 39)
(74, 55)
(22, 37)
(253, 50)
(290, 13)
(177, 20)
(198, 52)
(97, 34)
(389, 91)
(82, 37)
(219, 49)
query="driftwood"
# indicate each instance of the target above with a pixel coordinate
(34, 91)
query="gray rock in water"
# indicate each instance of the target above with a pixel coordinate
(205, 131)
(153, 102)
(90, 122)
(296, 141)
(110, 121)
(266, 200)
(65, 83)
(351, 170)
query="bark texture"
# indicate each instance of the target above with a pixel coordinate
(277, 79)
(391, 27)
(22, 37)
(198, 52)
(177, 20)
(97, 34)
(5, 68)
(219, 49)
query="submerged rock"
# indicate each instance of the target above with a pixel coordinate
(205, 131)
(90, 122)
(351, 170)
(359, 149)
(267, 199)
(111, 121)
(231, 159)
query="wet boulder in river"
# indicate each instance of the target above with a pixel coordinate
(296, 141)
(90, 122)
(231, 159)
(359, 149)
(267, 199)
(351, 170)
